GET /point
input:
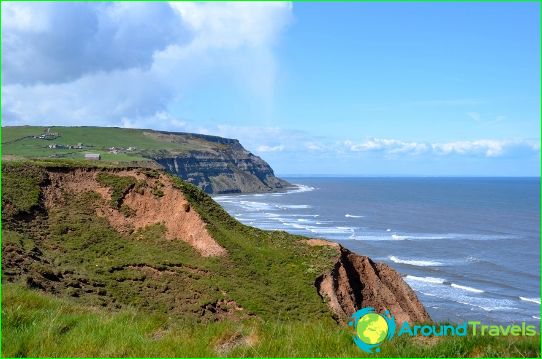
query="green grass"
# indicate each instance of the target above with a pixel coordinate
(18, 141)
(36, 325)
(21, 187)
(119, 185)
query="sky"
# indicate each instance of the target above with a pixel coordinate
(357, 89)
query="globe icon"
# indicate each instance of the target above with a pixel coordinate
(372, 328)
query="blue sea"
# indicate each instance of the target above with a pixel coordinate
(469, 247)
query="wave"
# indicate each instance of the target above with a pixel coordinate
(535, 317)
(255, 206)
(425, 279)
(468, 289)
(348, 215)
(438, 288)
(301, 188)
(293, 206)
(488, 308)
(532, 300)
(412, 262)
(331, 230)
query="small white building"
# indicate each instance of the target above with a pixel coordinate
(92, 156)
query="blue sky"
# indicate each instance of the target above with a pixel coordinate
(313, 88)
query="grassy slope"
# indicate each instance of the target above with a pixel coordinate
(42, 325)
(18, 141)
(269, 274)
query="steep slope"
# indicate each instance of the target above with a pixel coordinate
(119, 237)
(356, 282)
(215, 164)
(231, 170)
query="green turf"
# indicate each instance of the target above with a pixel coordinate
(19, 141)
(37, 325)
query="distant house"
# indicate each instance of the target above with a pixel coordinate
(92, 156)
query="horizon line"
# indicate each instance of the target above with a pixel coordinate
(320, 175)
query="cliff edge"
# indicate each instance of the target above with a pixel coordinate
(355, 282)
(215, 164)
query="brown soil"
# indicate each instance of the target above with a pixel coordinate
(356, 282)
(171, 209)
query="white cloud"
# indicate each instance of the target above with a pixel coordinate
(487, 148)
(389, 146)
(483, 147)
(314, 146)
(265, 148)
(117, 63)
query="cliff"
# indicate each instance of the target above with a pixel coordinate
(118, 237)
(231, 170)
(215, 164)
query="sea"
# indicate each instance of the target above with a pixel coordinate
(469, 247)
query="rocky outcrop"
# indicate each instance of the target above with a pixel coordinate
(356, 282)
(227, 169)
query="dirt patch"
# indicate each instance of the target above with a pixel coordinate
(153, 201)
(321, 242)
(220, 309)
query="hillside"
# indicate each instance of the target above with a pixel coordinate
(129, 261)
(215, 164)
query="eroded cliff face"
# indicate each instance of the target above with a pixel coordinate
(356, 282)
(230, 169)
(151, 199)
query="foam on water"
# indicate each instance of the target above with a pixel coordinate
(348, 215)
(293, 206)
(415, 262)
(300, 188)
(444, 290)
(468, 289)
(425, 279)
(532, 300)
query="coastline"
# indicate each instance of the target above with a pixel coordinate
(446, 284)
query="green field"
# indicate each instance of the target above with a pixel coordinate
(75, 286)
(20, 141)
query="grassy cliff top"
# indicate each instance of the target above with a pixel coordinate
(112, 143)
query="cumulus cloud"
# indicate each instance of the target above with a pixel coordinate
(387, 145)
(484, 147)
(57, 42)
(117, 63)
(265, 148)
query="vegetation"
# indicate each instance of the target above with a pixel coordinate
(133, 293)
(36, 324)
(21, 187)
(120, 185)
(120, 145)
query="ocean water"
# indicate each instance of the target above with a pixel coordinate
(469, 247)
